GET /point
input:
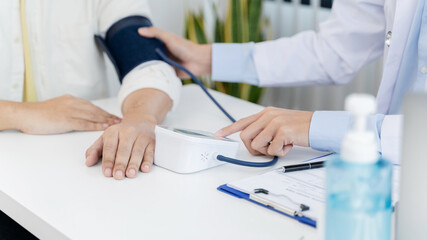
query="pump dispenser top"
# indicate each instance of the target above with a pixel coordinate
(360, 145)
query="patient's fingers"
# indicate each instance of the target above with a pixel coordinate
(94, 152)
(85, 125)
(127, 137)
(137, 155)
(88, 111)
(148, 158)
(111, 140)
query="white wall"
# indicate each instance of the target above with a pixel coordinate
(290, 18)
(169, 14)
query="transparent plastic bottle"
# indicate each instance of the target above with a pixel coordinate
(359, 182)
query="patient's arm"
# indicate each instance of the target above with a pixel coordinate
(57, 115)
(8, 113)
(129, 146)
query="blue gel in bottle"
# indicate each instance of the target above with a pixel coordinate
(359, 182)
(358, 204)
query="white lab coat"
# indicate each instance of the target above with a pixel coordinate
(354, 35)
(64, 55)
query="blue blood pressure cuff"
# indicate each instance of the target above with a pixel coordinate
(126, 48)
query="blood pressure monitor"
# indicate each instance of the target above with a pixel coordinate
(187, 151)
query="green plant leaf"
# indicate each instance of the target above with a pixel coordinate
(242, 24)
(219, 26)
(199, 28)
(255, 8)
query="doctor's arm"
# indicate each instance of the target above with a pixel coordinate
(275, 131)
(352, 37)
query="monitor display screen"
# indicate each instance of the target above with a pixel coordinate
(200, 134)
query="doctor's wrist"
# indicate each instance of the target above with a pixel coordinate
(198, 60)
(204, 58)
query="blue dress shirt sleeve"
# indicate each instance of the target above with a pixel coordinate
(328, 128)
(233, 62)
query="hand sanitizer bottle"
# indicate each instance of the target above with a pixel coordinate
(358, 185)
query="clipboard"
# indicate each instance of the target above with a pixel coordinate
(306, 187)
(239, 194)
(288, 211)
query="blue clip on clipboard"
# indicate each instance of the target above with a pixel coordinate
(236, 193)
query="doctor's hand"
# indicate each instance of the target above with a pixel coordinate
(195, 57)
(62, 114)
(273, 131)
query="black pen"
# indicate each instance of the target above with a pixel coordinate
(304, 166)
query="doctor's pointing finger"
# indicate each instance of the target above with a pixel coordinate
(273, 131)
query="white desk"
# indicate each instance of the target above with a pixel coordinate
(46, 187)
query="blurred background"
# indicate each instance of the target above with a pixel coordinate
(223, 20)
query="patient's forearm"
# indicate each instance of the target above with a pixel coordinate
(57, 115)
(9, 115)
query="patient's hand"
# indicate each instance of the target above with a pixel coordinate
(195, 57)
(272, 131)
(128, 147)
(125, 148)
(62, 114)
